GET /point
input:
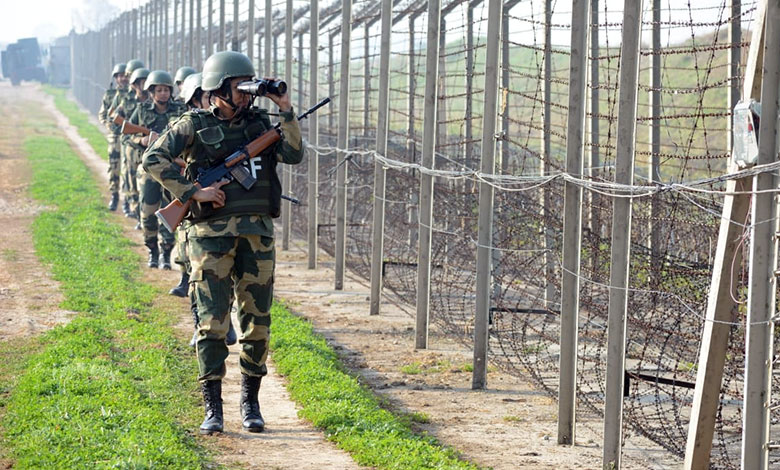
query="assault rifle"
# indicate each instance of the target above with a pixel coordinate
(172, 214)
(130, 128)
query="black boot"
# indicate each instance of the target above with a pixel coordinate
(114, 201)
(212, 399)
(126, 209)
(154, 252)
(166, 257)
(250, 408)
(183, 287)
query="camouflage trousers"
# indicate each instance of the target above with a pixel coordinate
(132, 160)
(114, 163)
(124, 172)
(182, 248)
(152, 196)
(221, 266)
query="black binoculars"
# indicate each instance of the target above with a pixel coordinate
(262, 87)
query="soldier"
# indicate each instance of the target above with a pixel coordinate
(118, 78)
(133, 150)
(155, 116)
(179, 78)
(124, 173)
(231, 242)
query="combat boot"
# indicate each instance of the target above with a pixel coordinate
(212, 400)
(114, 201)
(183, 287)
(165, 262)
(252, 420)
(126, 209)
(154, 252)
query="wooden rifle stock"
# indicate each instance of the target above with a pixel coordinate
(130, 128)
(172, 214)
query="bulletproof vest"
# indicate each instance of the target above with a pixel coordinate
(214, 141)
(148, 117)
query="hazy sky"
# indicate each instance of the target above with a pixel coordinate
(48, 19)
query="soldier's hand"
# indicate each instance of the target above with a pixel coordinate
(283, 101)
(212, 194)
(152, 137)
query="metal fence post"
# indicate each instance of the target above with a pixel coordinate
(380, 174)
(250, 32)
(595, 159)
(221, 25)
(267, 40)
(485, 218)
(621, 234)
(343, 139)
(655, 136)
(313, 173)
(759, 350)
(191, 35)
(572, 222)
(410, 142)
(426, 180)
(366, 80)
(287, 171)
(210, 31)
(199, 36)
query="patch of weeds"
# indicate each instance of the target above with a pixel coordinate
(349, 413)
(513, 419)
(103, 391)
(432, 367)
(414, 368)
(419, 417)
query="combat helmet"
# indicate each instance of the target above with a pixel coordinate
(190, 86)
(158, 77)
(139, 74)
(118, 69)
(182, 74)
(132, 65)
(225, 65)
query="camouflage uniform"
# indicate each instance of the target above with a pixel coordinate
(125, 106)
(113, 137)
(151, 193)
(231, 247)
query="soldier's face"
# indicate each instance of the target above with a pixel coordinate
(204, 100)
(122, 80)
(138, 85)
(161, 94)
(240, 99)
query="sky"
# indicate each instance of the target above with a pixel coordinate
(48, 19)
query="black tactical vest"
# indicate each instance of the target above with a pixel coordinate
(214, 141)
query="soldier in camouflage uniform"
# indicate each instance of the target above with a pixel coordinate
(155, 115)
(124, 170)
(134, 150)
(231, 239)
(179, 78)
(119, 78)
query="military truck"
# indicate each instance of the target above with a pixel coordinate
(22, 61)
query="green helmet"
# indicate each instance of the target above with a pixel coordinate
(118, 69)
(132, 65)
(224, 65)
(183, 73)
(158, 77)
(190, 86)
(139, 74)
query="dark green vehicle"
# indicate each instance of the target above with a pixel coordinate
(22, 61)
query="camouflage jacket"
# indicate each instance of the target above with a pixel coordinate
(146, 115)
(182, 137)
(105, 107)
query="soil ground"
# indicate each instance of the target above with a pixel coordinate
(512, 425)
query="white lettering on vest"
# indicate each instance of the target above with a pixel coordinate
(255, 164)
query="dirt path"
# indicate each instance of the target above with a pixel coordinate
(29, 298)
(288, 441)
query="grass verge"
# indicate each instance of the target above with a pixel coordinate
(80, 120)
(105, 390)
(348, 412)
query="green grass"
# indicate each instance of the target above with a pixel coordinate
(80, 120)
(349, 413)
(104, 391)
